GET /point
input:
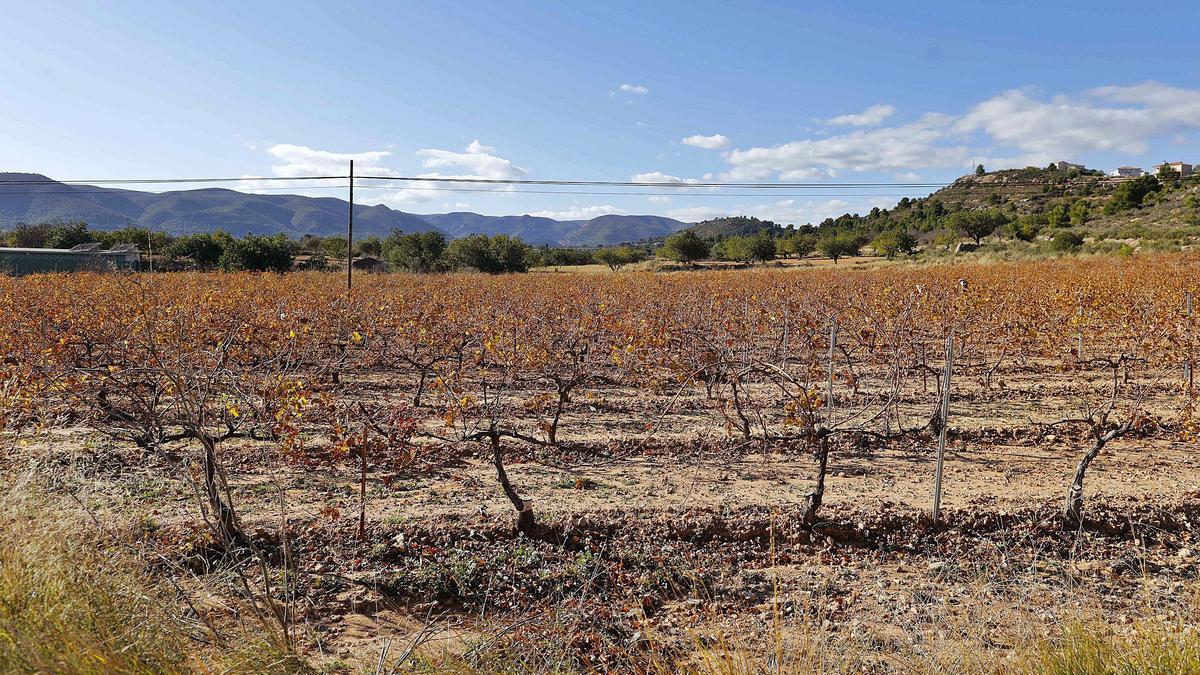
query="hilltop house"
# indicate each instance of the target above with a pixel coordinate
(1129, 172)
(1067, 166)
(1183, 169)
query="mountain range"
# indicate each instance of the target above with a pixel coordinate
(34, 198)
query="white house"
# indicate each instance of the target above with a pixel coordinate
(1183, 169)
(1129, 172)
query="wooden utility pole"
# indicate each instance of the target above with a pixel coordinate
(944, 414)
(350, 233)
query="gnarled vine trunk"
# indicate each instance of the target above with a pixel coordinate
(813, 503)
(524, 507)
(228, 529)
(1072, 513)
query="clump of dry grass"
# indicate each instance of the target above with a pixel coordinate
(72, 603)
(1151, 648)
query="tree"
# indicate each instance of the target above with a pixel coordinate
(369, 246)
(69, 235)
(761, 247)
(838, 245)
(797, 244)
(566, 257)
(25, 235)
(1065, 241)
(977, 224)
(1132, 194)
(979, 170)
(617, 257)
(419, 252)
(144, 238)
(685, 247)
(1058, 216)
(513, 253)
(894, 242)
(1079, 212)
(203, 248)
(492, 255)
(258, 253)
(1027, 228)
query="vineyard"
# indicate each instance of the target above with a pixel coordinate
(619, 469)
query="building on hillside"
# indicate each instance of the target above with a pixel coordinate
(1183, 169)
(82, 258)
(1067, 166)
(1129, 172)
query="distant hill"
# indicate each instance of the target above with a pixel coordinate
(239, 213)
(733, 226)
(531, 229)
(186, 211)
(615, 229)
(599, 231)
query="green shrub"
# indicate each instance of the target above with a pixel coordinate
(258, 253)
(497, 254)
(894, 242)
(1065, 241)
(685, 247)
(839, 245)
(419, 252)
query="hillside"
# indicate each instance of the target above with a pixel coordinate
(186, 211)
(615, 229)
(210, 209)
(532, 229)
(734, 226)
(1033, 194)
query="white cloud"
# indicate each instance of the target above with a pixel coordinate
(477, 148)
(296, 161)
(907, 177)
(638, 89)
(917, 144)
(479, 161)
(873, 116)
(301, 160)
(1115, 118)
(1013, 128)
(658, 199)
(660, 177)
(714, 142)
(806, 173)
(578, 212)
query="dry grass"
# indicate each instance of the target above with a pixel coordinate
(74, 599)
(74, 602)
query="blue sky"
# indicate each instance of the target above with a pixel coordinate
(672, 91)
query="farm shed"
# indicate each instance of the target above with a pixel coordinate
(83, 258)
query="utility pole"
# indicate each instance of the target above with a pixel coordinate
(350, 234)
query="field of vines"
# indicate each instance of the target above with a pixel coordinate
(621, 471)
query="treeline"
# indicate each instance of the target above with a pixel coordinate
(420, 252)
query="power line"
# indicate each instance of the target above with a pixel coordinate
(4, 191)
(674, 185)
(659, 184)
(152, 181)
